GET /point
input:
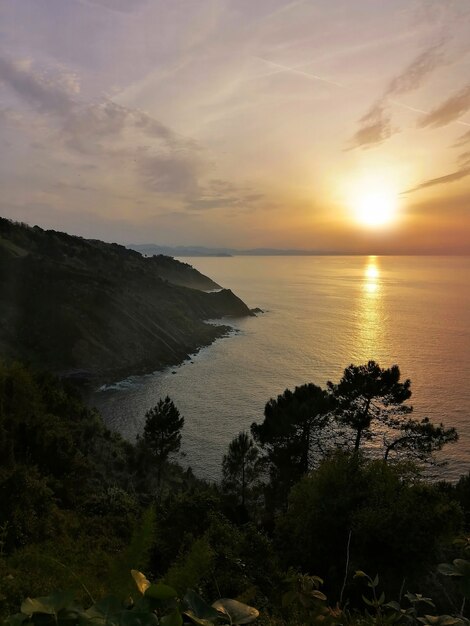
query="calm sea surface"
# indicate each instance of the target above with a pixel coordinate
(321, 314)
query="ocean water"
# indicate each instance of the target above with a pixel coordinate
(320, 315)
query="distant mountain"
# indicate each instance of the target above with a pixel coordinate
(71, 304)
(182, 251)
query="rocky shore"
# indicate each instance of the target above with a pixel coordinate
(94, 310)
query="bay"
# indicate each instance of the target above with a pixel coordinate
(320, 314)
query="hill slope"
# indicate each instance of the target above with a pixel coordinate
(68, 303)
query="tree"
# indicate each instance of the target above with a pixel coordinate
(419, 439)
(241, 466)
(368, 393)
(370, 400)
(162, 433)
(294, 434)
(397, 523)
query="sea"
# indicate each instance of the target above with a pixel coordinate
(320, 314)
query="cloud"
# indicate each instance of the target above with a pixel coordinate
(46, 94)
(222, 194)
(450, 110)
(464, 159)
(442, 180)
(464, 139)
(163, 173)
(87, 125)
(413, 75)
(375, 126)
(108, 131)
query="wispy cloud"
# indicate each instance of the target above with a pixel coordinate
(166, 162)
(298, 70)
(45, 93)
(375, 126)
(463, 140)
(442, 180)
(414, 74)
(223, 195)
(450, 110)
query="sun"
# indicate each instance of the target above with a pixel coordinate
(372, 199)
(375, 208)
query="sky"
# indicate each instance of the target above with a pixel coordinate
(239, 123)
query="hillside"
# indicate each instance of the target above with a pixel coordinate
(71, 304)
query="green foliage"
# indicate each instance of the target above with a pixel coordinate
(162, 433)
(397, 524)
(158, 604)
(294, 434)
(241, 468)
(96, 309)
(190, 570)
(137, 553)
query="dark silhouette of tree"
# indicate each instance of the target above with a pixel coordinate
(368, 393)
(294, 434)
(398, 523)
(241, 467)
(419, 439)
(371, 401)
(162, 433)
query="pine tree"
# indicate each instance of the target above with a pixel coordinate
(162, 433)
(371, 401)
(241, 466)
(368, 394)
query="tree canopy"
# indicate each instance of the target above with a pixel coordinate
(370, 400)
(162, 432)
(369, 397)
(241, 466)
(294, 434)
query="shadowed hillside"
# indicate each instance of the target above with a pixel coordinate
(73, 304)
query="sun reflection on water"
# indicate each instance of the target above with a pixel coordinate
(371, 276)
(370, 314)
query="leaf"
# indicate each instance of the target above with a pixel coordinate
(160, 591)
(318, 594)
(198, 608)
(140, 580)
(198, 620)
(173, 619)
(393, 604)
(440, 620)
(36, 605)
(447, 569)
(238, 612)
(360, 574)
(382, 598)
(48, 605)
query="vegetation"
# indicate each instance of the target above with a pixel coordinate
(299, 504)
(241, 468)
(97, 310)
(370, 400)
(162, 433)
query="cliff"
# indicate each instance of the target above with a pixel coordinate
(70, 304)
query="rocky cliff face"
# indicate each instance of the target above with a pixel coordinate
(68, 303)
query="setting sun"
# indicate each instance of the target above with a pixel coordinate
(375, 208)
